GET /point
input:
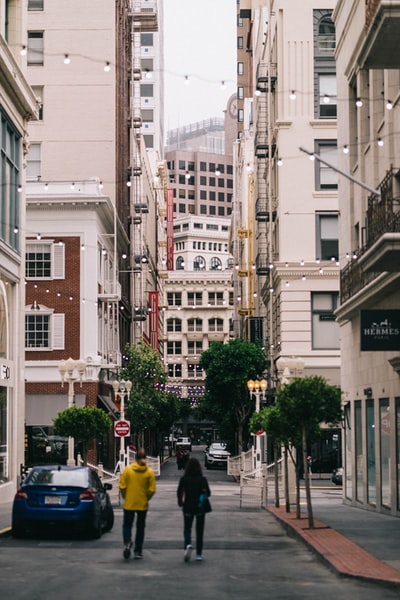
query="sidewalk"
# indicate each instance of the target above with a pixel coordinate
(353, 542)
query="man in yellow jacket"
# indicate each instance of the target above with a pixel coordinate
(137, 485)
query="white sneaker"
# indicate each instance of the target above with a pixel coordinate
(199, 557)
(188, 552)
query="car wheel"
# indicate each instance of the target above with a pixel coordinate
(95, 530)
(109, 518)
(17, 530)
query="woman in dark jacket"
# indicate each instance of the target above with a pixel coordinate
(191, 485)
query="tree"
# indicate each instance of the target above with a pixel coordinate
(304, 404)
(83, 424)
(228, 367)
(150, 407)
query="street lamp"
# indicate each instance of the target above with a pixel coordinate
(257, 387)
(122, 388)
(71, 370)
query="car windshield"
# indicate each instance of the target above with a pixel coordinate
(218, 446)
(57, 477)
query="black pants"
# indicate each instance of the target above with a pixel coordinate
(187, 530)
(129, 517)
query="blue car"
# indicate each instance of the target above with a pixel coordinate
(55, 495)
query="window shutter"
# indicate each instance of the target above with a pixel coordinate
(58, 329)
(59, 261)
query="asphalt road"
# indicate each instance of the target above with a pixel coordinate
(247, 555)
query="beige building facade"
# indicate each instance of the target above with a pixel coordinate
(368, 139)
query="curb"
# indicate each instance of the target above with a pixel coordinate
(342, 555)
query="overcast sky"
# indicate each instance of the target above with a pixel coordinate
(200, 42)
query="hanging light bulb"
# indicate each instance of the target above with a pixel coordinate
(279, 162)
(107, 67)
(389, 105)
(23, 51)
(187, 82)
(100, 185)
(345, 149)
(292, 95)
(187, 175)
(223, 85)
(359, 103)
(380, 142)
(72, 186)
(67, 59)
(326, 99)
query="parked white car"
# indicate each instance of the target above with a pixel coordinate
(216, 455)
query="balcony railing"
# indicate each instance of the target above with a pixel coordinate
(383, 216)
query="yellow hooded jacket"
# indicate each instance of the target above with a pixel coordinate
(137, 485)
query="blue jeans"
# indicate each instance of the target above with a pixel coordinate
(187, 530)
(127, 524)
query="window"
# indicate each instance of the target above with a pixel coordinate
(195, 347)
(327, 96)
(326, 36)
(197, 225)
(182, 208)
(35, 4)
(147, 67)
(34, 161)
(44, 330)
(326, 178)
(203, 209)
(215, 298)
(199, 263)
(194, 370)
(211, 167)
(215, 264)
(146, 39)
(146, 90)
(215, 325)
(240, 68)
(44, 260)
(212, 210)
(240, 42)
(175, 370)
(174, 299)
(240, 92)
(327, 228)
(221, 182)
(174, 347)
(195, 325)
(221, 197)
(147, 115)
(180, 263)
(174, 325)
(240, 115)
(203, 195)
(211, 196)
(325, 329)
(9, 197)
(203, 180)
(203, 166)
(149, 141)
(211, 227)
(195, 298)
(221, 211)
(35, 48)
(211, 181)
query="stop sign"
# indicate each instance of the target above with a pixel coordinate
(122, 428)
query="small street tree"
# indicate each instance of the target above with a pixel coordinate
(83, 423)
(228, 367)
(151, 409)
(304, 404)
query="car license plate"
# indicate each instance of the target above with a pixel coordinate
(52, 500)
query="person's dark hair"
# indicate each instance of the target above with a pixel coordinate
(193, 467)
(141, 453)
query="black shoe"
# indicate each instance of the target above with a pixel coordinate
(138, 555)
(127, 550)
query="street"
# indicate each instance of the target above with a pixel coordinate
(246, 555)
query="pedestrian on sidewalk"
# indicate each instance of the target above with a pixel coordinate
(191, 485)
(137, 485)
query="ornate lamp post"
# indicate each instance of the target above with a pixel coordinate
(257, 387)
(70, 371)
(122, 388)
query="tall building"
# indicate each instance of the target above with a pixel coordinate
(369, 142)
(94, 211)
(285, 215)
(198, 297)
(18, 107)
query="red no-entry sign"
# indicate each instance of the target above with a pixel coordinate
(122, 428)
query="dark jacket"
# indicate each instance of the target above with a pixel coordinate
(189, 490)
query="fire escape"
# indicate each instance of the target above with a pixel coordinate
(144, 19)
